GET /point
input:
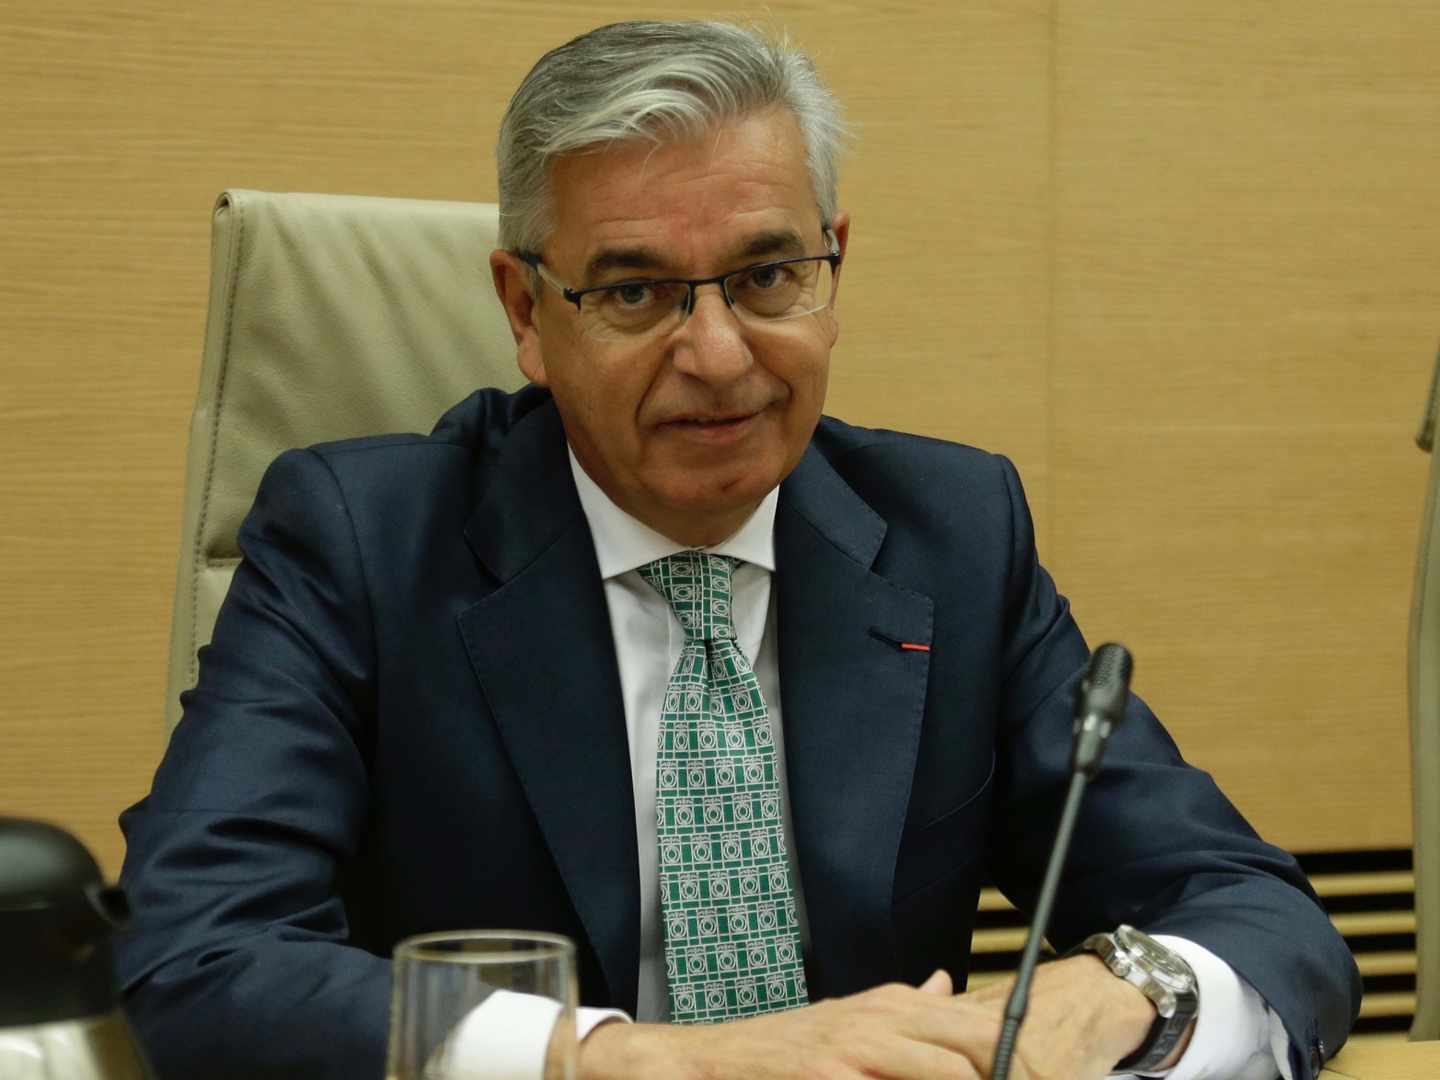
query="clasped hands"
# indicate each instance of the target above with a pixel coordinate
(1081, 1021)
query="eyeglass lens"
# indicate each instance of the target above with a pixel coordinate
(760, 294)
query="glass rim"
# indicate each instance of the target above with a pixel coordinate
(530, 945)
(585, 299)
(823, 263)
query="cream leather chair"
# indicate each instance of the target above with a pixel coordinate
(330, 316)
(1425, 737)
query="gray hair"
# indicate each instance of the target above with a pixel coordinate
(653, 81)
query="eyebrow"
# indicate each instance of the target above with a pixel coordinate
(780, 243)
(638, 258)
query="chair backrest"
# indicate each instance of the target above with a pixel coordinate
(330, 316)
(1425, 737)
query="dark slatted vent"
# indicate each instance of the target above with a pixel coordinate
(1371, 899)
(1370, 896)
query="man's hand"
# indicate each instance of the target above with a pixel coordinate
(891, 1031)
(1081, 1021)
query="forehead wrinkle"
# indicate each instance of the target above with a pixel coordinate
(625, 242)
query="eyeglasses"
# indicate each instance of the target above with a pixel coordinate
(765, 293)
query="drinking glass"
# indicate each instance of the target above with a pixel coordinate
(440, 1025)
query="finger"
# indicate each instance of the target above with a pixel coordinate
(900, 1032)
(909, 1060)
(952, 1024)
(939, 983)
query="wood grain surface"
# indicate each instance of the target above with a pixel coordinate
(1246, 254)
(1181, 263)
(1384, 1060)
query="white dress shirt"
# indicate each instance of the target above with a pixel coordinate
(1236, 1036)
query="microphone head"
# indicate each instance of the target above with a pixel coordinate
(1106, 684)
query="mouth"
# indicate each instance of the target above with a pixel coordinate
(712, 428)
(713, 421)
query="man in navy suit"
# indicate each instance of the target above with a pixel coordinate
(435, 693)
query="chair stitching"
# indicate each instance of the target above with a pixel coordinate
(192, 661)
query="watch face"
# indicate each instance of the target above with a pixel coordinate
(1164, 965)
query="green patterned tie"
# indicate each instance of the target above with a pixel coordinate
(732, 942)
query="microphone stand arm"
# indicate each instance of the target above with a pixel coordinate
(1019, 999)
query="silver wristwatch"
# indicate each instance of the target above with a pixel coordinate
(1163, 977)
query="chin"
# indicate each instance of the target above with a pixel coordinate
(727, 489)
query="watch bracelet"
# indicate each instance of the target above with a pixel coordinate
(1161, 1039)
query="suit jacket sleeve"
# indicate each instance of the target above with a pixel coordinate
(1157, 844)
(238, 963)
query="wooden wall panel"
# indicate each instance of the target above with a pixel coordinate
(124, 122)
(1247, 279)
(1178, 262)
(945, 299)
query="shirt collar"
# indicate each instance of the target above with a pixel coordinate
(622, 543)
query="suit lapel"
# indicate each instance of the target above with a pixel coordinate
(853, 701)
(558, 707)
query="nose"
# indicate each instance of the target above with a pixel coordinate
(711, 344)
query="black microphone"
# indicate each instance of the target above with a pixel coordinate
(1099, 708)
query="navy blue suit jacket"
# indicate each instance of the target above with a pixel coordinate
(410, 719)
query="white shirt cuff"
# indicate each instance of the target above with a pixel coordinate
(506, 1038)
(1234, 1036)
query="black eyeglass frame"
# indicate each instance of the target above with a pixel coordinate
(536, 263)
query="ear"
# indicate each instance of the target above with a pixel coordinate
(841, 228)
(512, 279)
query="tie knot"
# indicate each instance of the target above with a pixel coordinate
(697, 588)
